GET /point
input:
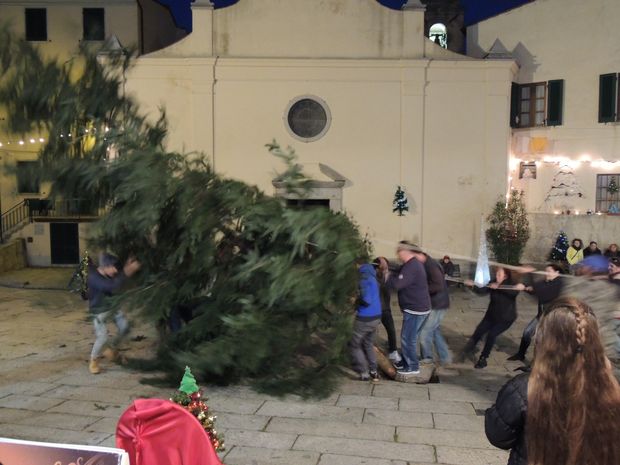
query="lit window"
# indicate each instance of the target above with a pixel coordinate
(439, 34)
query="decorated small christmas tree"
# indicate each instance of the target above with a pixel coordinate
(509, 229)
(400, 203)
(612, 187)
(189, 396)
(79, 280)
(558, 252)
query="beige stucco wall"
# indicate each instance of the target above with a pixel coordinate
(545, 228)
(562, 39)
(437, 125)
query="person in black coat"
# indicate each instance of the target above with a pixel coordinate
(592, 250)
(504, 422)
(546, 291)
(500, 315)
(382, 264)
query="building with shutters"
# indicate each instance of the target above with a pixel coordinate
(565, 144)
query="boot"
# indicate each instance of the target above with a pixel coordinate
(93, 366)
(481, 363)
(468, 353)
(115, 356)
(518, 357)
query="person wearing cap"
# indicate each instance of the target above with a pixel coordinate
(103, 281)
(414, 301)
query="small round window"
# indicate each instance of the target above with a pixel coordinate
(307, 118)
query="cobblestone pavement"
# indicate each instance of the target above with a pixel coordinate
(47, 394)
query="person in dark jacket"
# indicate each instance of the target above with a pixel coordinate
(365, 327)
(592, 250)
(546, 291)
(440, 302)
(500, 315)
(103, 281)
(567, 410)
(447, 265)
(504, 422)
(414, 301)
(612, 251)
(382, 265)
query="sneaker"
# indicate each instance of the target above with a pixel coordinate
(374, 377)
(395, 357)
(516, 358)
(364, 377)
(427, 361)
(93, 367)
(408, 372)
(399, 366)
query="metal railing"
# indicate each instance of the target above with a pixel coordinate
(45, 209)
(13, 218)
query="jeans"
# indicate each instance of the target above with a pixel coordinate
(362, 346)
(528, 335)
(409, 340)
(101, 331)
(492, 329)
(431, 333)
(388, 323)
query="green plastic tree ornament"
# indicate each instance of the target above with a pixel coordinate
(188, 383)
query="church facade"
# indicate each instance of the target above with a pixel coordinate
(366, 100)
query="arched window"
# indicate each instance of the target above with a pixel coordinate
(439, 34)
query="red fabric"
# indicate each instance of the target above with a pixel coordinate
(160, 432)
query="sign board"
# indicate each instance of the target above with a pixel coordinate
(16, 452)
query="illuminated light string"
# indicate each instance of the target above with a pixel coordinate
(41, 140)
(569, 162)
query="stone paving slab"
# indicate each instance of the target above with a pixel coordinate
(436, 437)
(365, 448)
(11, 415)
(259, 456)
(458, 422)
(299, 410)
(332, 459)
(47, 434)
(38, 404)
(235, 405)
(247, 422)
(93, 393)
(466, 456)
(103, 425)
(398, 418)
(384, 403)
(332, 429)
(235, 437)
(30, 388)
(73, 422)
(407, 391)
(101, 409)
(435, 406)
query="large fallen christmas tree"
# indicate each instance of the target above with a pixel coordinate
(270, 288)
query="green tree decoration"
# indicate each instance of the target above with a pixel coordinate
(400, 203)
(188, 383)
(613, 187)
(509, 229)
(558, 252)
(189, 396)
(270, 289)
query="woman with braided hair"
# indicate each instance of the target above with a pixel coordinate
(567, 410)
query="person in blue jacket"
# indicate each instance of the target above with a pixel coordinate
(103, 281)
(367, 319)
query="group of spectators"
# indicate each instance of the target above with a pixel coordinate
(576, 252)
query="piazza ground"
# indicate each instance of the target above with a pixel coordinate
(47, 393)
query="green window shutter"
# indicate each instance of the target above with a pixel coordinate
(608, 86)
(555, 102)
(514, 105)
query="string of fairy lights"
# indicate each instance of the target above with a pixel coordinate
(38, 139)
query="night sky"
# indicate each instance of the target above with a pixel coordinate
(475, 10)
